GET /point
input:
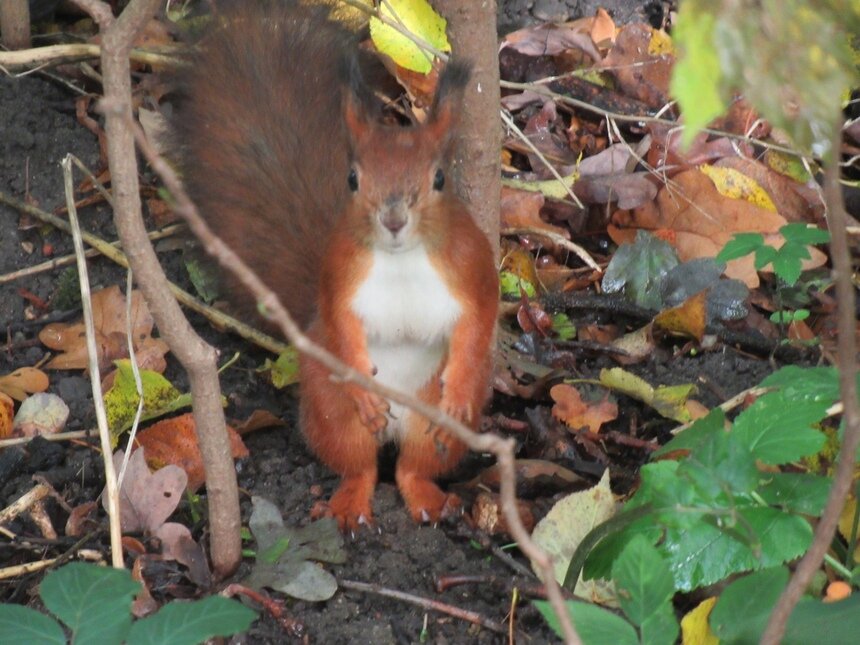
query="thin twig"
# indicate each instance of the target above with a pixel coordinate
(95, 375)
(847, 350)
(558, 240)
(425, 603)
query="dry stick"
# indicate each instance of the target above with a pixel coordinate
(269, 303)
(197, 357)
(847, 346)
(558, 240)
(52, 55)
(95, 377)
(50, 265)
(39, 491)
(426, 603)
(219, 318)
(60, 436)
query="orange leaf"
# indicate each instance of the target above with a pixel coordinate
(576, 413)
(688, 318)
(174, 441)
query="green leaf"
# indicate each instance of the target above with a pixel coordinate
(189, 623)
(563, 327)
(764, 255)
(740, 245)
(203, 278)
(778, 429)
(20, 624)
(720, 465)
(94, 602)
(796, 492)
(788, 262)
(696, 76)
(800, 233)
(660, 628)
(822, 623)
(742, 611)
(512, 284)
(642, 580)
(806, 384)
(285, 370)
(595, 625)
(750, 539)
(697, 434)
(638, 269)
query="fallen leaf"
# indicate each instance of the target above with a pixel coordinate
(578, 414)
(174, 441)
(564, 527)
(695, 629)
(146, 499)
(109, 321)
(23, 382)
(641, 64)
(487, 514)
(7, 415)
(603, 30)
(177, 544)
(687, 319)
(668, 400)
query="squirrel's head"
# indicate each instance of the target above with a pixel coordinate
(397, 176)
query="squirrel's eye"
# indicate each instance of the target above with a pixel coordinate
(438, 180)
(352, 180)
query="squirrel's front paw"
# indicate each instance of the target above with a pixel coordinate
(461, 410)
(372, 409)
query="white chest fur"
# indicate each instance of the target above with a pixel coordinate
(408, 314)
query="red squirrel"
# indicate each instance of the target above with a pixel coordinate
(357, 229)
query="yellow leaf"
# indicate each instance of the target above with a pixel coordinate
(734, 184)
(418, 17)
(660, 43)
(694, 626)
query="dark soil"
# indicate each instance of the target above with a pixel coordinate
(37, 128)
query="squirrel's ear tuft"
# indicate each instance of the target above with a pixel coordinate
(448, 99)
(357, 102)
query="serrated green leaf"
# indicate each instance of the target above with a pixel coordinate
(806, 384)
(595, 625)
(796, 492)
(20, 624)
(720, 465)
(800, 233)
(189, 623)
(512, 285)
(741, 613)
(703, 553)
(788, 262)
(563, 327)
(661, 627)
(642, 580)
(94, 602)
(740, 245)
(778, 429)
(697, 434)
(696, 76)
(764, 255)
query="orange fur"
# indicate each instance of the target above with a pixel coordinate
(338, 214)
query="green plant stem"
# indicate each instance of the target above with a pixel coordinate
(837, 566)
(595, 535)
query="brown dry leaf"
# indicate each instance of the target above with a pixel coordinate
(668, 154)
(688, 318)
(177, 544)
(81, 520)
(603, 30)
(529, 470)
(487, 514)
(23, 382)
(640, 73)
(109, 321)
(521, 209)
(7, 415)
(550, 39)
(576, 413)
(258, 420)
(174, 441)
(700, 221)
(533, 318)
(146, 499)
